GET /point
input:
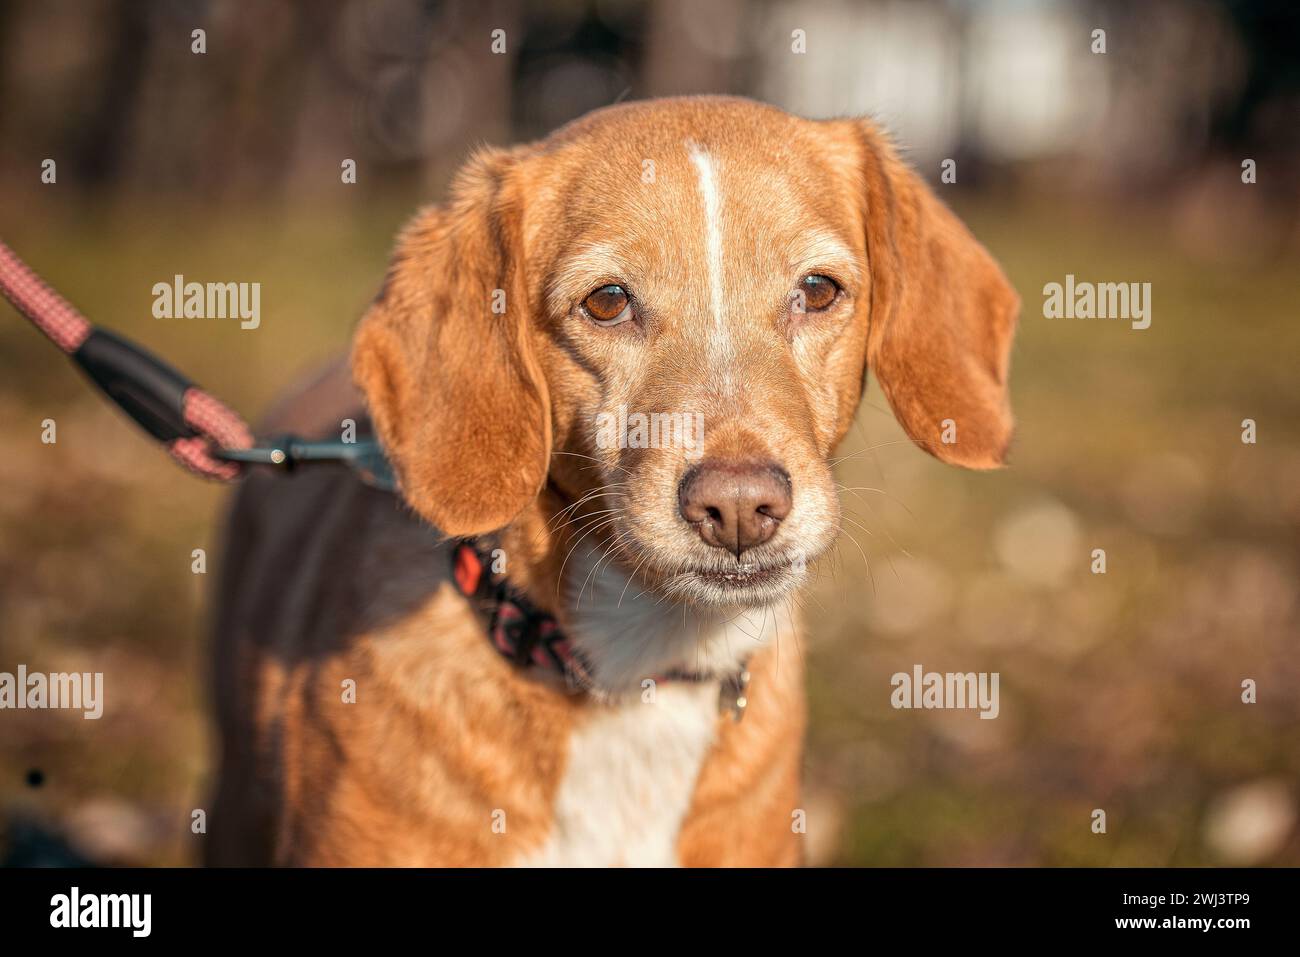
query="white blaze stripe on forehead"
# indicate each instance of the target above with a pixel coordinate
(707, 178)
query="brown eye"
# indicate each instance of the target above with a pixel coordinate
(815, 293)
(608, 305)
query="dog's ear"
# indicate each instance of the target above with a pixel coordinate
(942, 315)
(446, 361)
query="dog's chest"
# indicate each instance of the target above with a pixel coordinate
(629, 780)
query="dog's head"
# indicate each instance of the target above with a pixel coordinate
(667, 311)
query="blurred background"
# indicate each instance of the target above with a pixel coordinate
(1119, 691)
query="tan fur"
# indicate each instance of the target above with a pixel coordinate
(487, 416)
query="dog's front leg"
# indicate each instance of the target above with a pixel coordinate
(746, 811)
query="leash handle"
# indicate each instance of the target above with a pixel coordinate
(192, 423)
(149, 390)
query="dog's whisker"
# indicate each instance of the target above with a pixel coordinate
(607, 558)
(585, 518)
(857, 521)
(884, 527)
(798, 645)
(865, 561)
(602, 464)
(871, 448)
(591, 522)
(551, 527)
(643, 560)
(604, 490)
(867, 488)
(560, 577)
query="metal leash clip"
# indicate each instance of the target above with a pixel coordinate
(365, 457)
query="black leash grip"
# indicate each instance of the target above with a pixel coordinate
(147, 389)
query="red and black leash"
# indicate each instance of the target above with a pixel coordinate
(199, 430)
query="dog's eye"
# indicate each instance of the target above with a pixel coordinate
(814, 293)
(608, 305)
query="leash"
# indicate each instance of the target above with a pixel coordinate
(200, 431)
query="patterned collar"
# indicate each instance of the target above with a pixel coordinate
(518, 629)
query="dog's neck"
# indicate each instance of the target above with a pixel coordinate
(627, 635)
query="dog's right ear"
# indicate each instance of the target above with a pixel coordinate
(445, 359)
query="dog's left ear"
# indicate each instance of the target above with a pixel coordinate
(446, 362)
(942, 314)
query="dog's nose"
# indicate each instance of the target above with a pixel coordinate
(735, 505)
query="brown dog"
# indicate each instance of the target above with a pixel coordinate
(620, 358)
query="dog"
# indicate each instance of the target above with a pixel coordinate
(560, 645)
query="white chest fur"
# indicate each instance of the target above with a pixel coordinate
(631, 772)
(633, 763)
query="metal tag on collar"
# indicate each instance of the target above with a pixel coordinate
(733, 698)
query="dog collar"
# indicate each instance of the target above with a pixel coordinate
(518, 629)
(532, 639)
